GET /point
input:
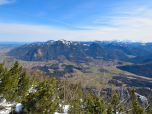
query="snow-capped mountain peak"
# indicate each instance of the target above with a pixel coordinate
(65, 42)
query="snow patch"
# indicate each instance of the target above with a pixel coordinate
(65, 109)
(131, 78)
(65, 42)
(7, 107)
(86, 45)
(143, 98)
(32, 89)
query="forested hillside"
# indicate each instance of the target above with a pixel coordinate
(142, 70)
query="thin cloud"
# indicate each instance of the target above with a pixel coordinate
(41, 15)
(21, 32)
(134, 26)
(58, 21)
(2, 2)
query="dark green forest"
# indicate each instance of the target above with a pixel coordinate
(142, 70)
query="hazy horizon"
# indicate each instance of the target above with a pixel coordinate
(24, 42)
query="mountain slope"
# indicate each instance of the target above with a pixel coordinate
(83, 51)
(126, 50)
(50, 50)
(97, 51)
(142, 70)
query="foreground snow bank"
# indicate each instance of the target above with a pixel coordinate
(7, 107)
(65, 109)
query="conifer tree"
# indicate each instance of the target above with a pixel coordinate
(115, 103)
(99, 106)
(45, 99)
(121, 108)
(9, 84)
(23, 84)
(132, 96)
(109, 111)
(136, 109)
(93, 105)
(75, 98)
(2, 70)
(15, 83)
(89, 103)
(75, 106)
(149, 110)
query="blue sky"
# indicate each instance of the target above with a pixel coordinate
(76, 20)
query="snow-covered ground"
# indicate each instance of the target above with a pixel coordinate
(65, 109)
(143, 98)
(7, 107)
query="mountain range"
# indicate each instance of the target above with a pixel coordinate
(138, 53)
(72, 51)
(82, 51)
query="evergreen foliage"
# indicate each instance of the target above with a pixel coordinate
(136, 108)
(14, 83)
(51, 95)
(139, 69)
(2, 69)
(93, 105)
(117, 107)
(75, 106)
(149, 110)
(109, 111)
(45, 98)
